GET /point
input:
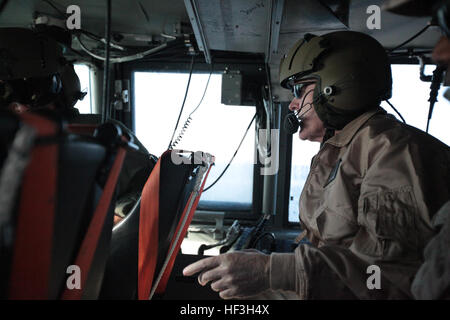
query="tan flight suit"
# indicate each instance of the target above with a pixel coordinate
(369, 199)
(432, 281)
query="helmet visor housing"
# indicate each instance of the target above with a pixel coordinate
(352, 71)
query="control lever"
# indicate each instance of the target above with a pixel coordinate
(250, 236)
(232, 234)
(434, 89)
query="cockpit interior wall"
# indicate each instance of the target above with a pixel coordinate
(88, 211)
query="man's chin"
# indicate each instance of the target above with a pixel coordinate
(302, 135)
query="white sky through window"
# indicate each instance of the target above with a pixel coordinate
(215, 128)
(82, 71)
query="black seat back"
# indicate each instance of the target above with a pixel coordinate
(82, 164)
(174, 186)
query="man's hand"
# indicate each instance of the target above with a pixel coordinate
(234, 275)
(441, 51)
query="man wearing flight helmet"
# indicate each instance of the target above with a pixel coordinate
(71, 90)
(137, 164)
(432, 280)
(30, 66)
(372, 188)
(35, 76)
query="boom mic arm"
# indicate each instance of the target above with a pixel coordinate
(291, 123)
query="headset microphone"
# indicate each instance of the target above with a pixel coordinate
(291, 123)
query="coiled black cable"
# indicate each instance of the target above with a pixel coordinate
(189, 119)
(186, 125)
(184, 101)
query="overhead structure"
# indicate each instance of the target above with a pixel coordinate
(236, 25)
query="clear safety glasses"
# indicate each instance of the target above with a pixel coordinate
(298, 89)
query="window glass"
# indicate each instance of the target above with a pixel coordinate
(409, 96)
(214, 128)
(83, 71)
(302, 153)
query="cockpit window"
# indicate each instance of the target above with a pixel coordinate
(83, 71)
(214, 128)
(302, 153)
(410, 97)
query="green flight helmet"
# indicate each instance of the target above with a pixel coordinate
(71, 88)
(351, 70)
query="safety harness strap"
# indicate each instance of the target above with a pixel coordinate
(30, 271)
(148, 231)
(90, 241)
(82, 129)
(179, 235)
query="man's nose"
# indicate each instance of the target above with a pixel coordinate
(294, 105)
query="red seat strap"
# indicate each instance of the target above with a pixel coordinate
(82, 129)
(90, 241)
(148, 232)
(30, 270)
(183, 224)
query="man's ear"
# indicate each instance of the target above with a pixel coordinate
(18, 107)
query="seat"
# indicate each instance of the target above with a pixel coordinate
(56, 211)
(137, 165)
(144, 245)
(84, 124)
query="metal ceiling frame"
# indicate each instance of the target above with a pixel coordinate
(275, 13)
(274, 25)
(192, 11)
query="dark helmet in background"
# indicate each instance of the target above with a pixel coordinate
(30, 66)
(438, 9)
(351, 70)
(71, 88)
(413, 8)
